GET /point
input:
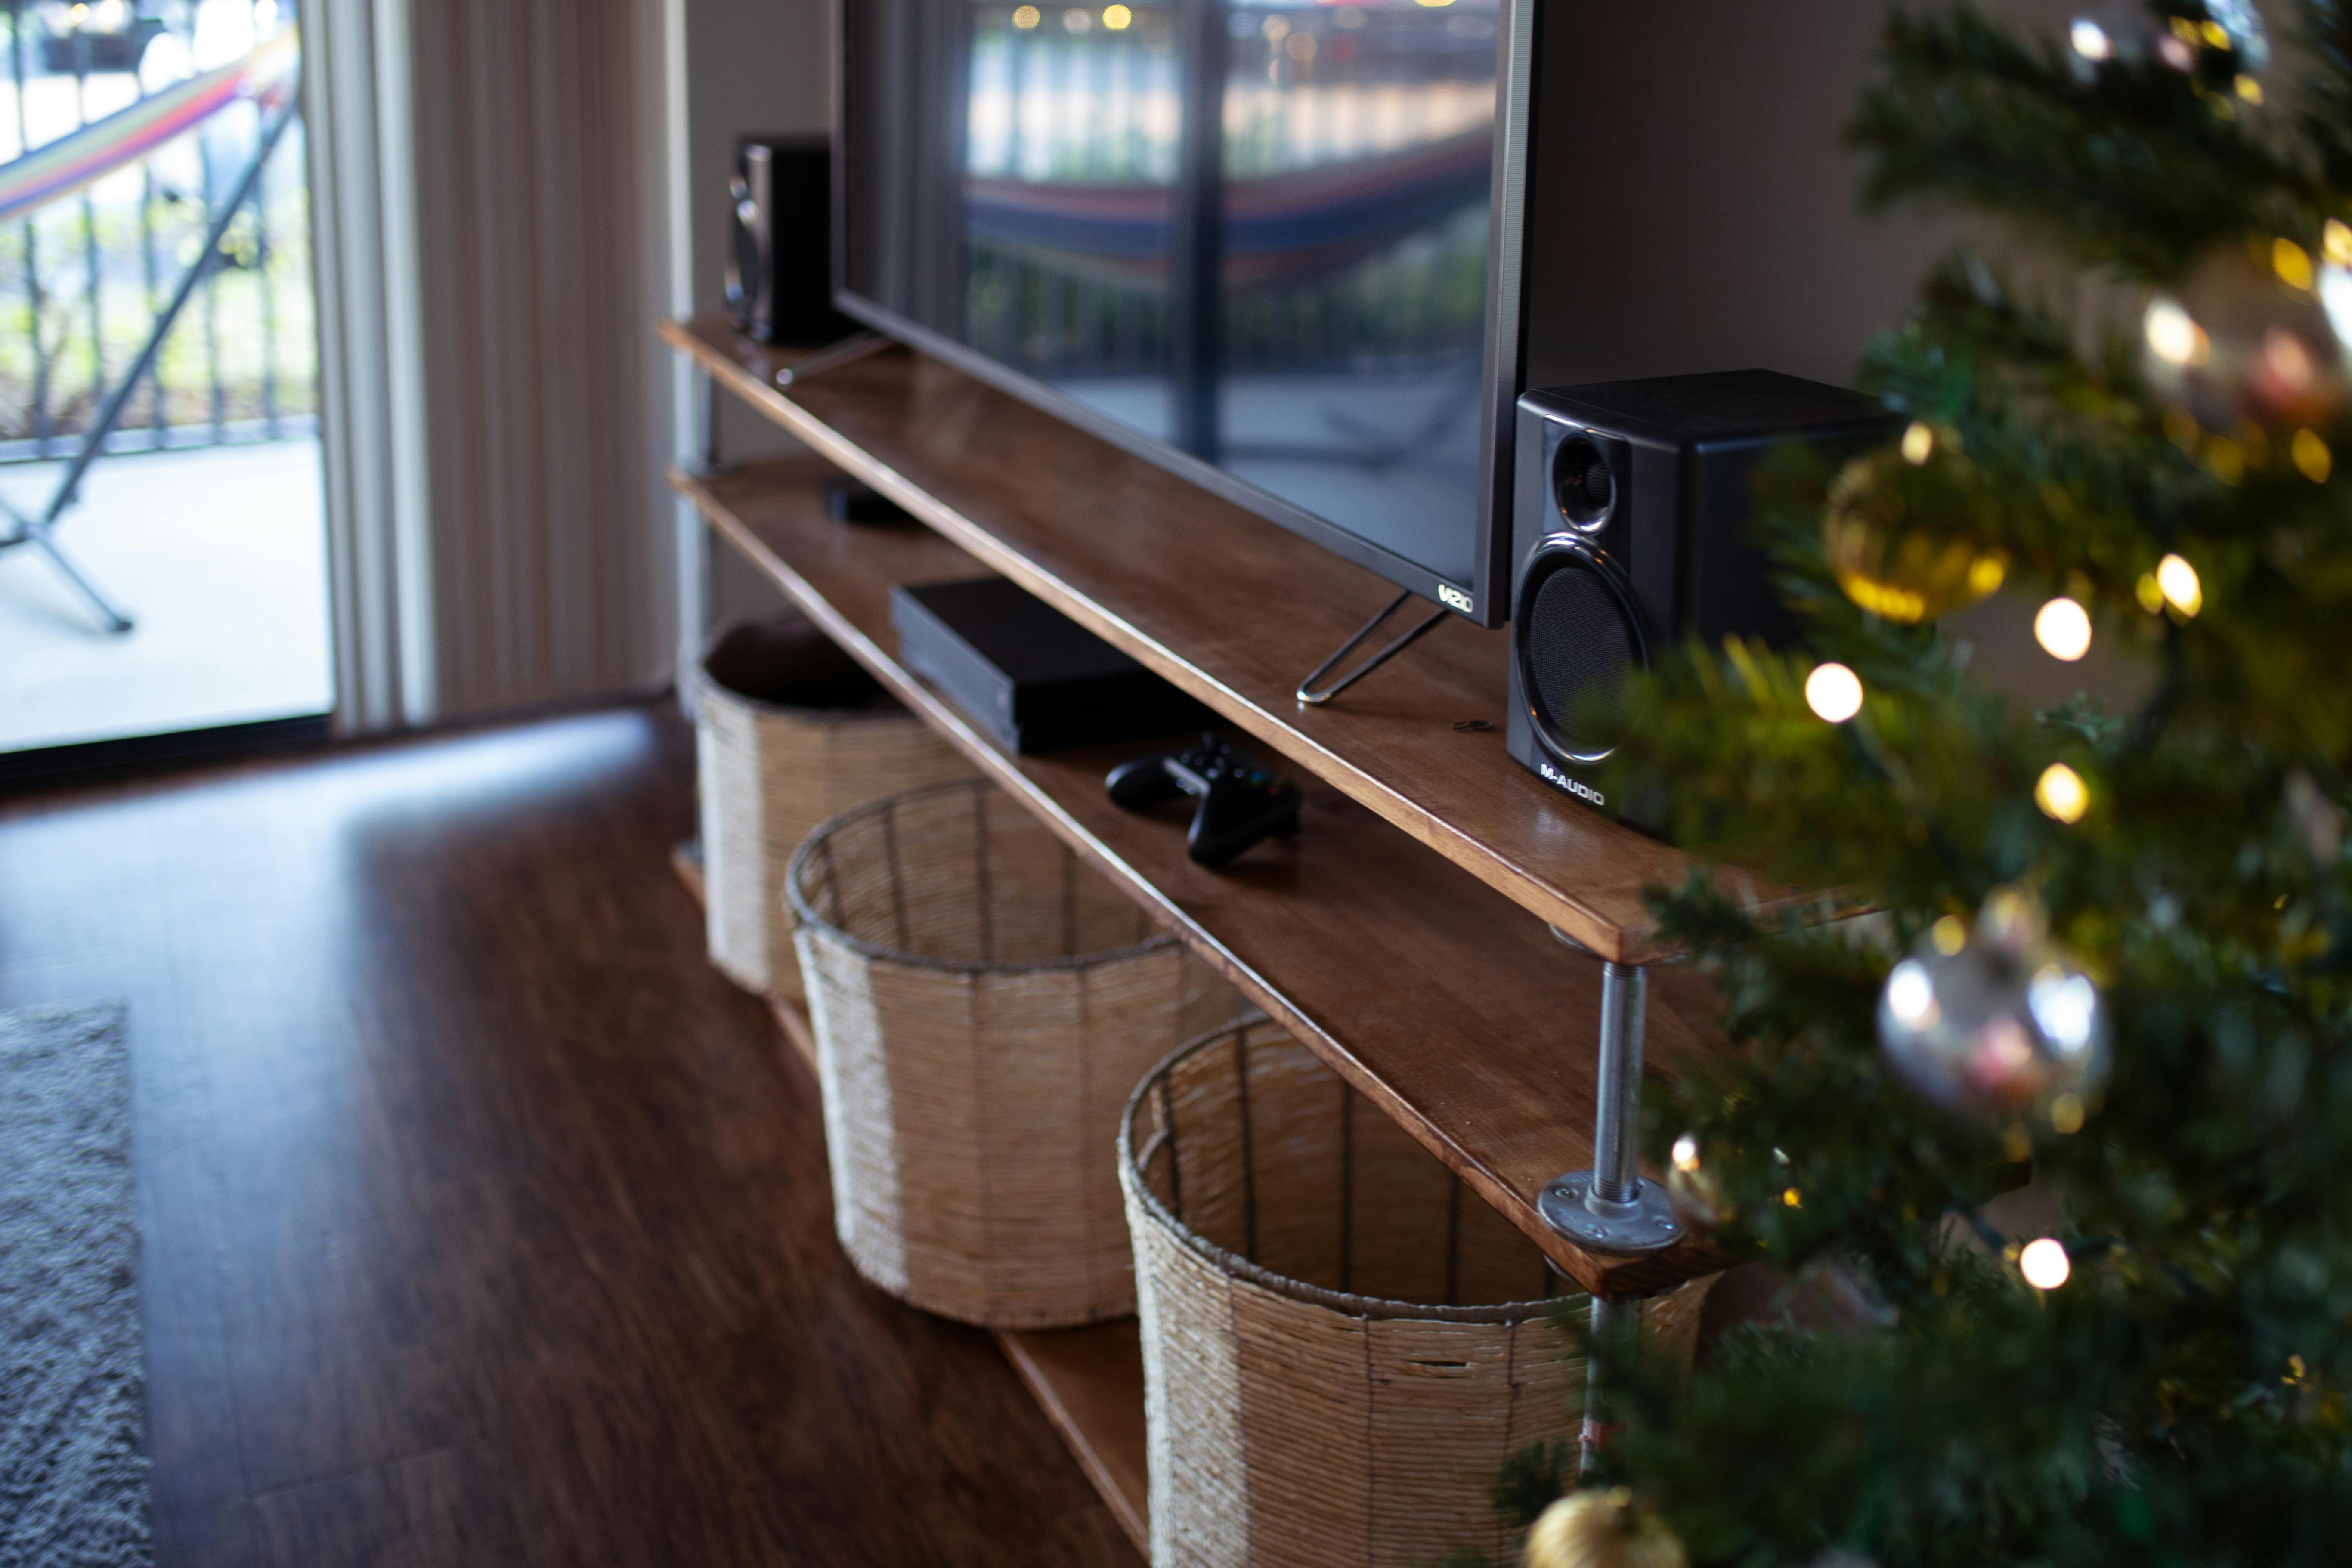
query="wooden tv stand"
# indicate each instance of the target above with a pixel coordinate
(1407, 936)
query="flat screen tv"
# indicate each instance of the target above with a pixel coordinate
(1310, 254)
(1271, 246)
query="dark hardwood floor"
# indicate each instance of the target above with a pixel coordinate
(483, 1222)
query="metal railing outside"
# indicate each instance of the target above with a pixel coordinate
(82, 281)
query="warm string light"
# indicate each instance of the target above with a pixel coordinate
(1833, 692)
(1117, 17)
(2177, 580)
(2174, 336)
(2311, 457)
(1686, 1153)
(2044, 1264)
(2063, 627)
(2062, 794)
(1919, 443)
(1027, 16)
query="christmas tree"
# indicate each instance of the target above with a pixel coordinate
(2067, 1114)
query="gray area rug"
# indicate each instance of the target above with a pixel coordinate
(73, 1465)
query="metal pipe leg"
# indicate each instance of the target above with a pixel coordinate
(1610, 1208)
(1609, 1319)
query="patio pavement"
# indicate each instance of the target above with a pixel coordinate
(219, 554)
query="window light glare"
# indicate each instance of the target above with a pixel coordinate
(2044, 1264)
(2178, 580)
(2063, 627)
(1833, 692)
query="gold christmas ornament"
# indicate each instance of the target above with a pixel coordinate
(1601, 1529)
(1883, 546)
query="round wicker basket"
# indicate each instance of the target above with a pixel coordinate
(789, 730)
(1341, 1345)
(982, 1003)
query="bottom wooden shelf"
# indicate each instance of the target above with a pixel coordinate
(1089, 1380)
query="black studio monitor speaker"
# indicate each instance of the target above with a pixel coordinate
(1630, 530)
(780, 249)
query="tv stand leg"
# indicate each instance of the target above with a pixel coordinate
(1316, 697)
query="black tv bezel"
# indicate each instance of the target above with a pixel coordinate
(1505, 352)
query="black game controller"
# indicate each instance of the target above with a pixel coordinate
(1241, 803)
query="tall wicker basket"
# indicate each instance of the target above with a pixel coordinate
(789, 731)
(981, 1003)
(1341, 1345)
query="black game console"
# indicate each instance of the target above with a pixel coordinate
(1241, 803)
(1630, 530)
(1026, 673)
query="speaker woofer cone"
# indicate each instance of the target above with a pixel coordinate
(1576, 629)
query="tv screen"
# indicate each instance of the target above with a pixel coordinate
(1278, 246)
(1259, 243)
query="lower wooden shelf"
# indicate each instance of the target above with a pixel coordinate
(1089, 1380)
(1453, 1010)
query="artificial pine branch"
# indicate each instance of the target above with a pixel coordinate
(2186, 1398)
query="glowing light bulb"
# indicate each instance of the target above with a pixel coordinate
(2291, 263)
(2091, 40)
(1919, 443)
(2063, 629)
(2312, 459)
(2044, 1264)
(2336, 241)
(2249, 88)
(1911, 996)
(1834, 692)
(2173, 334)
(1117, 17)
(2061, 793)
(1027, 16)
(2178, 580)
(1686, 1153)
(1793, 1198)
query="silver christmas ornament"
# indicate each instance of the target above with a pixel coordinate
(2248, 334)
(1993, 1020)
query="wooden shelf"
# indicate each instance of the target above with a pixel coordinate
(1230, 607)
(1452, 1009)
(1089, 1380)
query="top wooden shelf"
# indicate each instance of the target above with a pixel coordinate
(1227, 606)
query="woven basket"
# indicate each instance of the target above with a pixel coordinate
(1341, 1345)
(982, 1004)
(789, 731)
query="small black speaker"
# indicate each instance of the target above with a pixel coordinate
(1630, 524)
(780, 242)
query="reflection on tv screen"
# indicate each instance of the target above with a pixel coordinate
(1256, 232)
